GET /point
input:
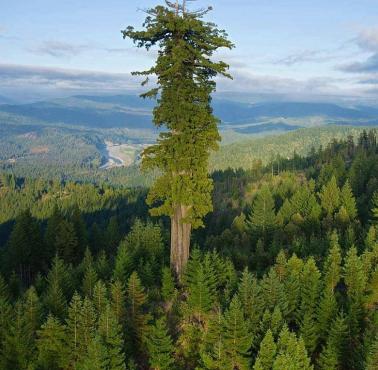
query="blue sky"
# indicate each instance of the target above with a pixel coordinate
(298, 49)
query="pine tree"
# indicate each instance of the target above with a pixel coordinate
(184, 189)
(81, 232)
(89, 280)
(52, 352)
(355, 280)
(168, 285)
(58, 284)
(212, 347)
(137, 319)
(291, 353)
(100, 297)
(292, 285)
(237, 339)
(249, 295)
(160, 346)
(111, 333)
(348, 201)
(330, 197)
(17, 351)
(66, 243)
(309, 301)
(201, 296)
(113, 235)
(267, 352)
(118, 300)
(96, 357)
(334, 350)
(73, 339)
(263, 218)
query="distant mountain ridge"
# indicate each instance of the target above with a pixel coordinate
(132, 112)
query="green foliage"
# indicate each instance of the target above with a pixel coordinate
(263, 217)
(237, 338)
(160, 346)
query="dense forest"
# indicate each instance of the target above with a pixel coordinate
(284, 275)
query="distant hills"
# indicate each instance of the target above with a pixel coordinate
(132, 112)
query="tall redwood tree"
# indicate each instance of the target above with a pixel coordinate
(185, 75)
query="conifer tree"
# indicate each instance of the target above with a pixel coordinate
(118, 300)
(66, 243)
(52, 352)
(17, 350)
(291, 353)
(330, 197)
(96, 357)
(110, 332)
(348, 201)
(263, 217)
(100, 297)
(309, 301)
(212, 347)
(334, 350)
(249, 295)
(137, 319)
(355, 279)
(58, 284)
(267, 352)
(237, 338)
(160, 346)
(185, 73)
(168, 285)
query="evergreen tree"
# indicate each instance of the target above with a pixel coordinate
(185, 75)
(237, 339)
(168, 285)
(52, 352)
(212, 348)
(267, 352)
(137, 319)
(334, 351)
(58, 284)
(66, 243)
(348, 201)
(160, 346)
(100, 297)
(118, 300)
(111, 334)
(330, 197)
(263, 217)
(96, 358)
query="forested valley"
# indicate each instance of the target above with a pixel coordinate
(284, 275)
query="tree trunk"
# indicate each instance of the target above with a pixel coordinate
(180, 240)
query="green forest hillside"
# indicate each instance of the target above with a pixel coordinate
(245, 153)
(283, 276)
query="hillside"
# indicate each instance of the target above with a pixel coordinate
(245, 153)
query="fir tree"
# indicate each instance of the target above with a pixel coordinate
(212, 348)
(137, 319)
(96, 358)
(181, 154)
(111, 333)
(168, 285)
(237, 339)
(267, 352)
(160, 346)
(52, 352)
(66, 243)
(263, 217)
(330, 197)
